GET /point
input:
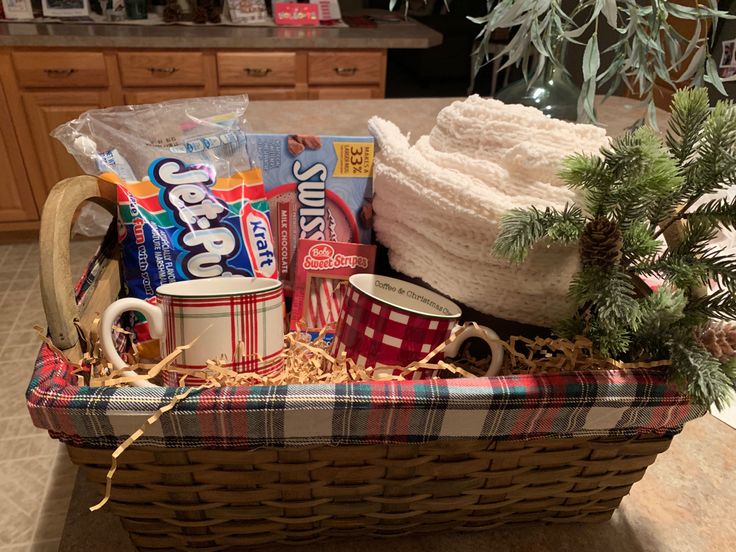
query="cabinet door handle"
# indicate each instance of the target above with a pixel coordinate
(346, 71)
(165, 70)
(60, 72)
(257, 71)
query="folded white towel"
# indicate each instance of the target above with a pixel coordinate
(438, 204)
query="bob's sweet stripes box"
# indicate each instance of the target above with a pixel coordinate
(318, 188)
(322, 271)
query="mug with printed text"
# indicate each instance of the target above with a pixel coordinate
(236, 319)
(386, 323)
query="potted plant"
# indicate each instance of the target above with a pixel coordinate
(647, 47)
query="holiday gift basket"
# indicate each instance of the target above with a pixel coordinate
(201, 463)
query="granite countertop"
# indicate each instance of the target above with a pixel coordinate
(414, 116)
(403, 34)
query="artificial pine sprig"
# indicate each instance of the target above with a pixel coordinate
(639, 188)
(522, 228)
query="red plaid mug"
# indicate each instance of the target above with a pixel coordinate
(385, 323)
(238, 320)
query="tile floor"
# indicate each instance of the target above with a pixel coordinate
(36, 478)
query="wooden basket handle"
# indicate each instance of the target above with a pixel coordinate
(57, 285)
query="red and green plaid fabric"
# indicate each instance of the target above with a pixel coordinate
(587, 404)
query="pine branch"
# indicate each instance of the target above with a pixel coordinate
(589, 174)
(661, 311)
(717, 212)
(693, 272)
(639, 243)
(701, 374)
(570, 327)
(568, 226)
(611, 342)
(610, 300)
(720, 305)
(718, 268)
(715, 167)
(690, 109)
(520, 229)
(696, 238)
(694, 262)
(644, 174)
(705, 147)
(634, 173)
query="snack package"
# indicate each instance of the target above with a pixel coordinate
(191, 204)
(318, 187)
(322, 271)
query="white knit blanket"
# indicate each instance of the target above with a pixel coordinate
(438, 203)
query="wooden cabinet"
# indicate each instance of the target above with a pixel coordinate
(346, 68)
(47, 110)
(45, 88)
(344, 93)
(60, 69)
(16, 199)
(262, 93)
(147, 69)
(164, 95)
(257, 68)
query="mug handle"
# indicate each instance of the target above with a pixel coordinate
(155, 318)
(486, 334)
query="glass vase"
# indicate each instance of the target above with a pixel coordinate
(553, 92)
(136, 9)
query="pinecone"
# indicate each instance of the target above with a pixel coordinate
(718, 338)
(601, 243)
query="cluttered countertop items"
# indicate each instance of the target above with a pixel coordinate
(364, 29)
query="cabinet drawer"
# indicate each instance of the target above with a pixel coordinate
(158, 96)
(149, 69)
(345, 67)
(262, 93)
(60, 69)
(344, 93)
(256, 69)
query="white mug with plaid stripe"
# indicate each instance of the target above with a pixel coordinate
(236, 320)
(387, 323)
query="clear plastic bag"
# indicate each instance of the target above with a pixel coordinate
(191, 203)
(93, 221)
(125, 140)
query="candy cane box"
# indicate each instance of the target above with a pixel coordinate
(318, 188)
(322, 270)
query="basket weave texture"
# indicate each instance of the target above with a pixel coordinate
(217, 500)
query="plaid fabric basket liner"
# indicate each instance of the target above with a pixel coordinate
(582, 404)
(593, 404)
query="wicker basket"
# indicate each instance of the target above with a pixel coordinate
(217, 499)
(230, 496)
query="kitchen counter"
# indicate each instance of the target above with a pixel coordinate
(414, 116)
(404, 34)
